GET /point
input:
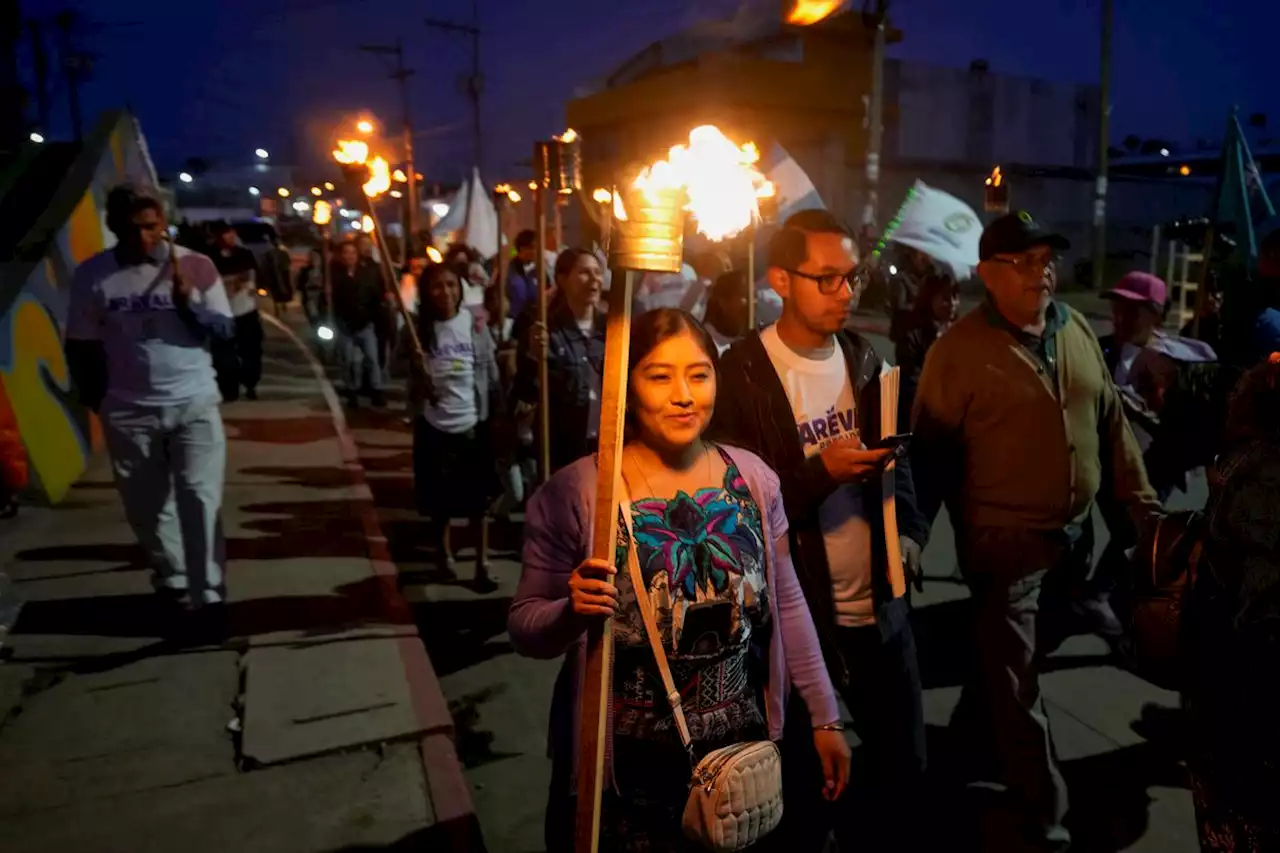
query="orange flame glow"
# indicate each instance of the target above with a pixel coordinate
(602, 195)
(569, 135)
(720, 180)
(806, 12)
(995, 178)
(322, 213)
(379, 177)
(366, 224)
(351, 152)
(399, 176)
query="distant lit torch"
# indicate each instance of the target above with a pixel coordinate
(374, 177)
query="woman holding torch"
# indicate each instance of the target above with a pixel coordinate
(713, 553)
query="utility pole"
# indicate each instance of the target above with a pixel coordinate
(876, 21)
(401, 75)
(12, 96)
(75, 67)
(1104, 122)
(40, 56)
(474, 86)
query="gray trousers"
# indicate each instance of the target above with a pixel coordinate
(169, 464)
(358, 355)
(1020, 581)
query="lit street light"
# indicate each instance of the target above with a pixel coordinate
(185, 177)
(397, 194)
(254, 191)
(315, 191)
(329, 186)
(440, 209)
(282, 192)
(262, 153)
(35, 137)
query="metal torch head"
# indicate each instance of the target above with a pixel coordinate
(651, 235)
(567, 175)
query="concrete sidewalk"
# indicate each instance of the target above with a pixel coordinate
(320, 726)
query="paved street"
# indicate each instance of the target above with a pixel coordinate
(1128, 792)
(318, 727)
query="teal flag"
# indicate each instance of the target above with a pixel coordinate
(1241, 202)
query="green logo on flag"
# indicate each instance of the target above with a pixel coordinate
(958, 223)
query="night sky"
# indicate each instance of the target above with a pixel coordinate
(219, 79)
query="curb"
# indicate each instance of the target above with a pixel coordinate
(447, 789)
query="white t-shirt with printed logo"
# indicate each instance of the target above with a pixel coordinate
(452, 362)
(823, 403)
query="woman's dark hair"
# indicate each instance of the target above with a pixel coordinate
(568, 259)
(1253, 413)
(525, 239)
(127, 201)
(428, 314)
(931, 288)
(661, 324)
(728, 287)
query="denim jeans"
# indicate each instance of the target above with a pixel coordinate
(169, 464)
(358, 355)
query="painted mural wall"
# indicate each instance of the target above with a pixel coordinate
(58, 435)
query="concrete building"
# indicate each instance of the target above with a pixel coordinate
(806, 88)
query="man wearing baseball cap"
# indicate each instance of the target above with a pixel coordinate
(1017, 426)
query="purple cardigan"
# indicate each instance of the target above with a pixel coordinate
(542, 624)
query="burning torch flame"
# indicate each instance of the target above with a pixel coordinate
(509, 192)
(322, 213)
(351, 152)
(400, 176)
(569, 135)
(379, 177)
(366, 224)
(720, 180)
(995, 178)
(806, 12)
(433, 255)
(602, 195)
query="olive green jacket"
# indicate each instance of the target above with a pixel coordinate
(1011, 431)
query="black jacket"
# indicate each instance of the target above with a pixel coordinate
(752, 411)
(357, 297)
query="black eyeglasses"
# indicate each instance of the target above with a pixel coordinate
(1028, 264)
(831, 282)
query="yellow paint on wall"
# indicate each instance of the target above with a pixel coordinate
(48, 430)
(84, 229)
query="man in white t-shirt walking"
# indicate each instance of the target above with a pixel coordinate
(804, 394)
(138, 348)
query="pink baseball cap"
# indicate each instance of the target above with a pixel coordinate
(1140, 287)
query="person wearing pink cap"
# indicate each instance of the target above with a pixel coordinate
(1137, 310)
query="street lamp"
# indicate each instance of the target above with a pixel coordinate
(315, 191)
(282, 192)
(185, 177)
(36, 137)
(254, 191)
(329, 186)
(262, 153)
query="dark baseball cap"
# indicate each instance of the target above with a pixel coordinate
(1016, 232)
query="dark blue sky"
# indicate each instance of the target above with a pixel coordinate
(219, 79)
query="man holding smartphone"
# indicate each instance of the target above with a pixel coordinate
(804, 393)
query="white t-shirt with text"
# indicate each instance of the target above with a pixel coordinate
(452, 363)
(823, 403)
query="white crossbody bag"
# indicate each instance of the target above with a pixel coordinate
(735, 795)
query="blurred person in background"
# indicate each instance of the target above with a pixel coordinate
(522, 284)
(453, 466)
(239, 271)
(937, 307)
(277, 274)
(574, 338)
(725, 317)
(1207, 324)
(906, 277)
(358, 306)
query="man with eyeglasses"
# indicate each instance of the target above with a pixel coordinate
(804, 394)
(1018, 425)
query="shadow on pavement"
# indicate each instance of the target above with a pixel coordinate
(304, 430)
(461, 835)
(461, 634)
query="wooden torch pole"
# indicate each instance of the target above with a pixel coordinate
(651, 240)
(393, 288)
(540, 165)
